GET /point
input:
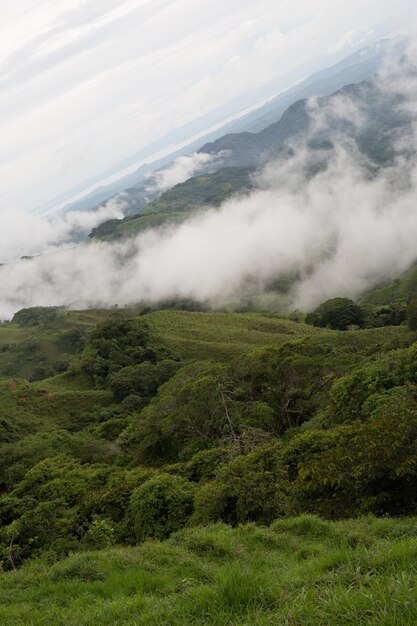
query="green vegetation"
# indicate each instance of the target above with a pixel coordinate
(399, 290)
(221, 336)
(342, 313)
(42, 341)
(338, 313)
(177, 204)
(167, 422)
(298, 571)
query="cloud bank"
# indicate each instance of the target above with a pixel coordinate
(339, 232)
(23, 234)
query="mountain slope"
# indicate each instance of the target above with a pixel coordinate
(398, 290)
(365, 114)
(359, 66)
(379, 118)
(176, 204)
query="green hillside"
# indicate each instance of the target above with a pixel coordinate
(39, 348)
(222, 336)
(177, 204)
(182, 469)
(43, 348)
(37, 351)
(298, 571)
(399, 290)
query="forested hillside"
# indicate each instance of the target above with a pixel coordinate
(185, 404)
(171, 419)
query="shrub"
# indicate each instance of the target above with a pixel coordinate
(143, 379)
(249, 488)
(36, 315)
(161, 506)
(100, 534)
(337, 313)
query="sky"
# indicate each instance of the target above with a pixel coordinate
(85, 84)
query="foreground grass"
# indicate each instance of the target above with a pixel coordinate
(297, 572)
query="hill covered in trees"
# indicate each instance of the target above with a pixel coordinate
(167, 422)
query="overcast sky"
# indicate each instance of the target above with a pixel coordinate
(86, 83)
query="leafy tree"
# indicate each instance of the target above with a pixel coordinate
(253, 487)
(36, 315)
(161, 506)
(143, 379)
(389, 315)
(351, 396)
(370, 466)
(337, 313)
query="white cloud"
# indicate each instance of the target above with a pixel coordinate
(23, 234)
(341, 232)
(351, 229)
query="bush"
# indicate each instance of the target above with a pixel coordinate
(378, 316)
(249, 488)
(362, 467)
(161, 506)
(100, 534)
(119, 343)
(36, 315)
(143, 379)
(337, 313)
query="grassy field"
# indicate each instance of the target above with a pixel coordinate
(298, 572)
(39, 351)
(46, 406)
(27, 351)
(223, 336)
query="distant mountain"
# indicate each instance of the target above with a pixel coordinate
(377, 108)
(360, 66)
(92, 200)
(356, 68)
(381, 121)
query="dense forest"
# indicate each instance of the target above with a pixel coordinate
(128, 425)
